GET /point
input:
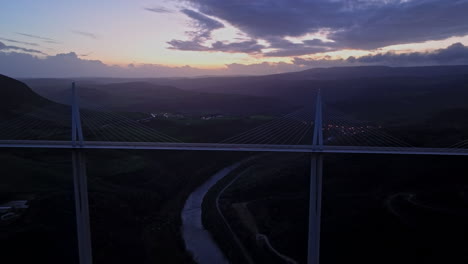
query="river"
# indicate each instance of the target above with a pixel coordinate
(198, 241)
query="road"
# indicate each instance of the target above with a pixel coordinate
(232, 147)
(259, 237)
(233, 234)
(286, 259)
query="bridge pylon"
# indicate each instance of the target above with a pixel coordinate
(77, 131)
(80, 184)
(315, 195)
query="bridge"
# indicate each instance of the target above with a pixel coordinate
(286, 134)
(233, 147)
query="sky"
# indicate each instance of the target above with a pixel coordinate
(161, 38)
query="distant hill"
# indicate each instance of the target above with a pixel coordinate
(17, 97)
(377, 91)
(230, 84)
(393, 91)
(149, 97)
(342, 73)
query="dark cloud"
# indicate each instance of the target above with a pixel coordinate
(189, 45)
(284, 48)
(413, 21)
(318, 42)
(362, 24)
(85, 34)
(233, 47)
(272, 17)
(296, 51)
(45, 39)
(322, 63)
(452, 55)
(204, 26)
(456, 54)
(158, 9)
(16, 48)
(243, 46)
(20, 42)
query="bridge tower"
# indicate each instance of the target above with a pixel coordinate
(80, 183)
(315, 198)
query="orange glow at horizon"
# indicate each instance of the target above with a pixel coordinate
(219, 60)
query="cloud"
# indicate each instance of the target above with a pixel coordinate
(67, 65)
(158, 9)
(85, 34)
(51, 41)
(16, 48)
(17, 64)
(271, 17)
(45, 39)
(455, 54)
(363, 24)
(232, 47)
(204, 27)
(297, 51)
(249, 46)
(263, 68)
(70, 65)
(204, 24)
(189, 45)
(286, 48)
(323, 63)
(85, 54)
(20, 42)
(413, 21)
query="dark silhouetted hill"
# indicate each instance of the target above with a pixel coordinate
(373, 92)
(340, 73)
(253, 84)
(140, 96)
(385, 91)
(17, 97)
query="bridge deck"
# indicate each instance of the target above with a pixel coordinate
(232, 147)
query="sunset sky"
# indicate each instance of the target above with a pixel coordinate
(155, 38)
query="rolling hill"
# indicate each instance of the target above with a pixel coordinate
(16, 97)
(248, 84)
(389, 92)
(392, 93)
(140, 96)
